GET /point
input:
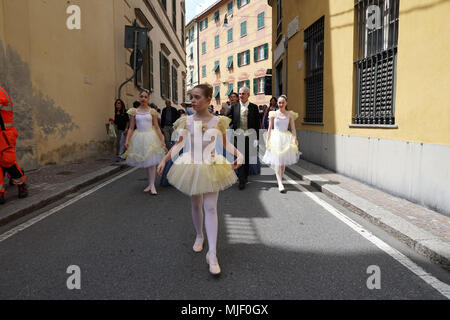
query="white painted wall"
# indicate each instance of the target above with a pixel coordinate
(418, 172)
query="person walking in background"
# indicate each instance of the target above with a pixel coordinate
(8, 157)
(168, 118)
(281, 145)
(122, 122)
(145, 146)
(272, 107)
(245, 116)
(201, 174)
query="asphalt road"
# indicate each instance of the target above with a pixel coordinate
(130, 245)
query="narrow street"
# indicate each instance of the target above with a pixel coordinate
(130, 245)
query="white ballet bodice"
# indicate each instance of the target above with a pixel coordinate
(207, 136)
(281, 122)
(144, 122)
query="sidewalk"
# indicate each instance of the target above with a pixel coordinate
(424, 230)
(53, 182)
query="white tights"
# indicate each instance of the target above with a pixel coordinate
(151, 172)
(208, 202)
(279, 171)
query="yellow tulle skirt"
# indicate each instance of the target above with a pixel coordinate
(198, 178)
(281, 149)
(144, 150)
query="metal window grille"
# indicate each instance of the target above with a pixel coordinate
(314, 38)
(377, 57)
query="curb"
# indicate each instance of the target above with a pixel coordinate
(419, 240)
(39, 201)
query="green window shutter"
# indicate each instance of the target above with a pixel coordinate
(243, 28)
(206, 23)
(216, 15)
(247, 53)
(239, 4)
(261, 23)
(255, 86)
(266, 51)
(230, 8)
(230, 35)
(230, 62)
(216, 41)
(255, 54)
(230, 89)
(247, 84)
(239, 59)
(216, 92)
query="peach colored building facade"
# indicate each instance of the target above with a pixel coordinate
(236, 53)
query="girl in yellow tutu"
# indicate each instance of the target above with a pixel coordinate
(281, 145)
(201, 172)
(145, 146)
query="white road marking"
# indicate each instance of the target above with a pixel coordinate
(440, 286)
(44, 215)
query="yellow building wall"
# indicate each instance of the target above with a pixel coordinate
(422, 109)
(64, 82)
(253, 39)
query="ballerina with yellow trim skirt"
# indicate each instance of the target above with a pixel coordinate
(281, 144)
(201, 172)
(145, 146)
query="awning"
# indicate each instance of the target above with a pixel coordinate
(230, 62)
(230, 90)
(216, 66)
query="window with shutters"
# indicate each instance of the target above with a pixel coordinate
(164, 76)
(191, 35)
(191, 54)
(230, 62)
(241, 3)
(230, 89)
(164, 4)
(244, 29)
(259, 85)
(244, 58)
(375, 68)
(216, 94)
(216, 16)
(261, 52)
(191, 78)
(230, 35)
(242, 84)
(216, 41)
(216, 66)
(152, 81)
(261, 23)
(203, 47)
(279, 18)
(174, 14)
(314, 39)
(203, 71)
(230, 8)
(174, 84)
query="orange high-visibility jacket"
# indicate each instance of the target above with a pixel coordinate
(8, 136)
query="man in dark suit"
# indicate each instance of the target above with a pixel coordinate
(168, 118)
(245, 116)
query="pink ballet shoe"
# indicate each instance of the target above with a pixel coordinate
(148, 189)
(198, 245)
(214, 268)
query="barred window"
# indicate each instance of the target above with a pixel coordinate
(314, 39)
(376, 64)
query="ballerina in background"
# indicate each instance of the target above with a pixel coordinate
(145, 145)
(281, 145)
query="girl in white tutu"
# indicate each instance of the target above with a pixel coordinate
(281, 145)
(145, 146)
(201, 172)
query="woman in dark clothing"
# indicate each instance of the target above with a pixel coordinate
(272, 107)
(122, 122)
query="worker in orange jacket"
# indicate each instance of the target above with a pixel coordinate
(8, 158)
